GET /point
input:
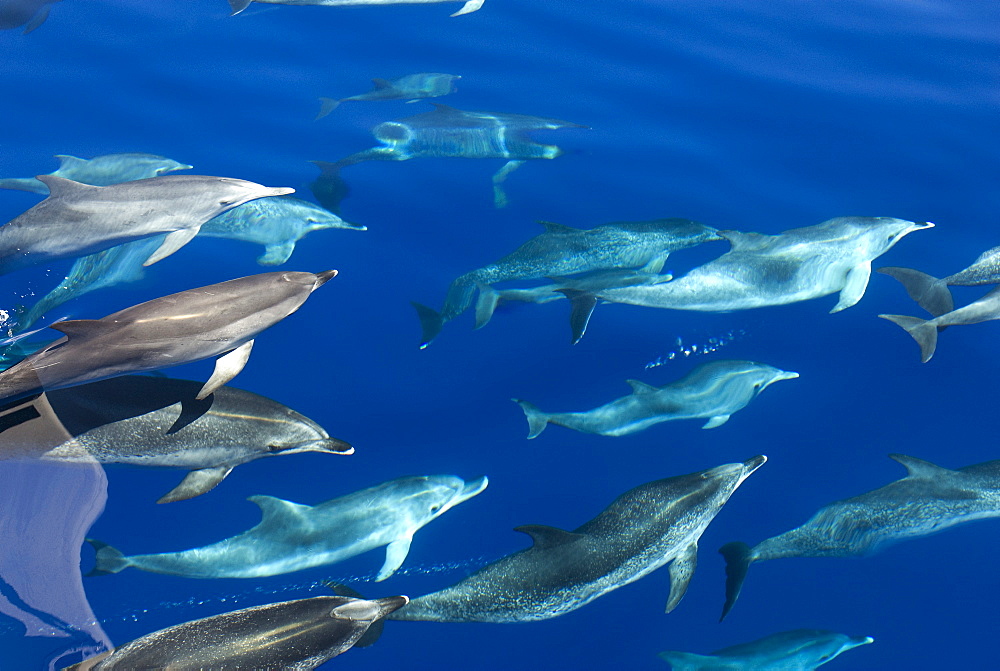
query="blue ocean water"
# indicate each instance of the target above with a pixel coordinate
(749, 116)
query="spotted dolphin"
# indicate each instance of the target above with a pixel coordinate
(645, 528)
(78, 219)
(100, 170)
(800, 649)
(239, 5)
(713, 390)
(180, 328)
(294, 635)
(292, 537)
(929, 499)
(155, 422)
(933, 295)
(410, 88)
(925, 331)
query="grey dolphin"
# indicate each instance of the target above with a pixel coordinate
(239, 5)
(329, 187)
(78, 219)
(27, 13)
(294, 635)
(798, 650)
(100, 170)
(929, 499)
(643, 529)
(409, 87)
(925, 331)
(933, 295)
(562, 250)
(156, 422)
(292, 537)
(713, 390)
(180, 328)
(764, 270)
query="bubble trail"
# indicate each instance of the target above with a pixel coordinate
(710, 346)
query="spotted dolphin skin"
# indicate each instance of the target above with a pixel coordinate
(295, 635)
(645, 528)
(712, 391)
(100, 170)
(925, 331)
(293, 537)
(410, 88)
(929, 499)
(798, 650)
(155, 422)
(933, 295)
(239, 5)
(188, 326)
(78, 219)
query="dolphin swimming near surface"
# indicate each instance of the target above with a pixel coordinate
(239, 5)
(410, 88)
(292, 537)
(713, 390)
(156, 422)
(180, 328)
(294, 635)
(27, 13)
(797, 650)
(643, 529)
(100, 170)
(929, 499)
(933, 295)
(925, 331)
(78, 219)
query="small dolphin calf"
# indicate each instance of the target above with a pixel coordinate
(293, 537)
(714, 390)
(410, 88)
(100, 170)
(239, 5)
(932, 294)
(294, 635)
(78, 219)
(925, 331)
(798, 650)
(929, 499)
(156, 422)
(188, 326)
(643, 529)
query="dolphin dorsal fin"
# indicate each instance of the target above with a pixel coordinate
(441, 107)
(60, 186)
(273, 509)
(546, 537)
(641, 387)
(552, 227)
(78, 328)
(918, 468)
(745, 241)
(65, 160)
(380, 83)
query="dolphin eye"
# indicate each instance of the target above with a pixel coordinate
(436, 507)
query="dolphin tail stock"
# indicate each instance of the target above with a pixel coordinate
(108, 560)
(238, 6)
(431, 323)
(582, 307)
(537, 420)
(738, 558)
(929, 292)
(923, 331)
(486, 304)
(326, 105)
(23, 184)
(687, 661)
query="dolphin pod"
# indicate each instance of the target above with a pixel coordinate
(929, 499)
(800, 649)
(180, 328)
(239, 5)
(299, 634)
(713, 390)
(645, 528)
(292, 537)
(409, 87)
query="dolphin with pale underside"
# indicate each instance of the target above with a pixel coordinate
(100, 170)
(929, 499)
(933, 295)
(798, 650)
(180, 328)
(409, 87)
(293, 537)
(239, 5)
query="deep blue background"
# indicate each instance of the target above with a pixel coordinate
(753, 116)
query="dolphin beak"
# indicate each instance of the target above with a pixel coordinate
(472, 488)
(857, 641)
(330, 445)
(919, 226)
(279, 191)
(786, 375)
(324, 277)
(753, 463)
(390, 604)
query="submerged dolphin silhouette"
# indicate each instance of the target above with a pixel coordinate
(27, 13)
(100, 170)
(798, 650)
(409, 87)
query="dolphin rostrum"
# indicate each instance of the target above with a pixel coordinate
(180, 328)
(933, 295)
(643, 529)
(713, 390)
(239, 5)
(100, 170)
(294, 635)
(410, 88)
(156, 422)
(925, 331)
(79, 219)
(292, 537)
(929, 499)
(800, 649)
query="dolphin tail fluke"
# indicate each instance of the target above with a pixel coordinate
(431, 324)
(929, 292)
(108, 560)
(537, 420)
(923, 331)
(738, 558)
(486, 304)
(326, 105)
(238, 6)
(687, 661)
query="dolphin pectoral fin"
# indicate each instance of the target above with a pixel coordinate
(929, 292)
(238, 6)
(326, 105)
(655, 266)
(196, 483)
(39, 19)
(171, 244)
(582, 307)
(431, 323)
(227, 367)
(738, 557)
(854, 288)
(486, 304)
(469, 7)
(681, 570)
(395, 554)
(500, 176)
(923, 331)
(275, 255)
(718, 420)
